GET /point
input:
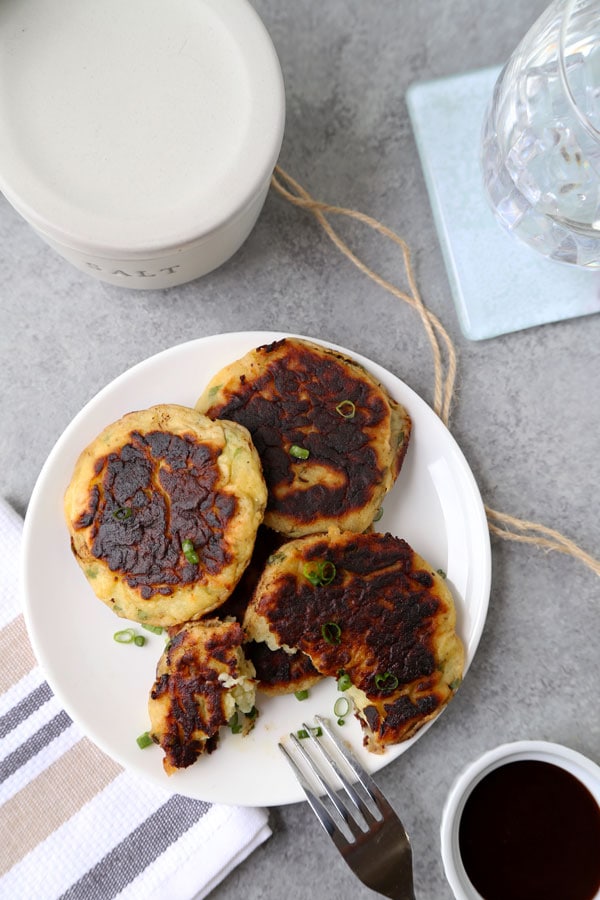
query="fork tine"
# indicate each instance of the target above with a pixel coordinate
(320, 776)
(319, 809)
(379, 856)
(361, 774)
(330, 761)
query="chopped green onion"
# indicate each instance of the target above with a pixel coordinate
(341, 721)
(303, 733)
(122, 513)
(189, 552)
(320, 572)
(331, 632)
(341, 707)
(311, 572)
(252, 714)
(344, 682)
(129, 636)
(455, 684)
(327, 572)
(124, 637)
(378, 515)
(386, 682)
(441, 572)
(235, 724)
(144, 740)
(155, 629)
(276, 557)
(299, 452)
(346, 409)
(301, 695)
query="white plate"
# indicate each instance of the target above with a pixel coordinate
(435, 505)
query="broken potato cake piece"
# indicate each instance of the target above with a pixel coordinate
(370, 608)
(330, 438)
(278, 672)
(202, 680)
(163, 509)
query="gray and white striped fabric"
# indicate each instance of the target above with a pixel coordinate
(74, 825)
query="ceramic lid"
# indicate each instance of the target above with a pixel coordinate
(139, 125)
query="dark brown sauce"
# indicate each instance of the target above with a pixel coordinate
(531, 831)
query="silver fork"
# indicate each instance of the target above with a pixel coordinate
(375, 844)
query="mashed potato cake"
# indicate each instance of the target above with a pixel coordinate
(330, 438)
(163, 509)
(202, 679)
(370, 607)
(279, 672)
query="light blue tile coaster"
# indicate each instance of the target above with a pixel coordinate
(499, 285)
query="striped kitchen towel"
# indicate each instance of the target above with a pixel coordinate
(73, 824)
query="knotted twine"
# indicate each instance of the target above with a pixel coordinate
(444, 354)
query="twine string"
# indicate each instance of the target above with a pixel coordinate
(542, 536)
(443, 388)
(501, 524)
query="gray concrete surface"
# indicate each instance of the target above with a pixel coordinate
(527, 414)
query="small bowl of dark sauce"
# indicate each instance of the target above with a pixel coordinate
(523, 823)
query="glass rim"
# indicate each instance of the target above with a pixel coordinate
(564, 26)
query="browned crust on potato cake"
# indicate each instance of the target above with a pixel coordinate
(287, 393)
(266, 543)
(279, 672)
(162, 508)
(145, 547)
(389, 617)
(187, 704)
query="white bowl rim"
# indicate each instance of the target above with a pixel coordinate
(587, 771)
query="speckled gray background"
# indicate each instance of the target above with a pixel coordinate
(527, 414)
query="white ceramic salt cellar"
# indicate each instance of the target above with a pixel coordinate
(138, 139)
